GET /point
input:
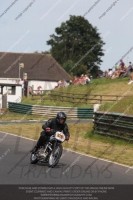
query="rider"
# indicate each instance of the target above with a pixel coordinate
(50, 127)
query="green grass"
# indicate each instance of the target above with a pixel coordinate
(124, 106)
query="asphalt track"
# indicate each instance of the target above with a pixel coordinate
(69, 121)
(73, 168)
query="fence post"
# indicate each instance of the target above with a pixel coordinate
(100, 98)
(50, 95)
(86, 98)
(73, 98)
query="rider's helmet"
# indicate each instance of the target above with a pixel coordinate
(61, 117)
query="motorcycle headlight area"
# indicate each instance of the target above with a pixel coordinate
(52, 137)
(60, 136)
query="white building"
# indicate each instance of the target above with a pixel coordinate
(41, 69)
(10, 93)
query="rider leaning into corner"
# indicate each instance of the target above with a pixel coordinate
(50, 127)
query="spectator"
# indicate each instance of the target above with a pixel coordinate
(82, 79)
(59, 84)
(117, 66)
(21, 82)
(76, 80)
(103, 75)
(99, 75)
(67, 83)
(91, 78)
(106, 74)
(122, 72)
(70, 82)
(130, 67)
(25, 87)
(30, 90)
(116, 74)
(64, 83)
(131, 78)
(110, 73)
(40, 90)
(128, 70)
(122, 64)
(87, 80)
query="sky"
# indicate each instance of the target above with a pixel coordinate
(26, 25)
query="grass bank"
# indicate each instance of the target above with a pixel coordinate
(124, 106)
(100, 86)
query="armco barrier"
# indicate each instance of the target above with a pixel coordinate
(114, 124)
(50, 111)
(20, 108)
(85, 112)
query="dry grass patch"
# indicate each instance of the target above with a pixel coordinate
(7, 116)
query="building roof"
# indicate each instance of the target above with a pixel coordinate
(37, 66)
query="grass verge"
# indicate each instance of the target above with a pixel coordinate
(124, 106)
(7, 116)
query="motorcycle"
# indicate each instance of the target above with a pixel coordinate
(51, 151)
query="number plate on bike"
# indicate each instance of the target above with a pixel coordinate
(60, 136)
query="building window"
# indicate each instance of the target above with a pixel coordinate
(11, 90)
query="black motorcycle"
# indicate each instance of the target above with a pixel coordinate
(51, 151)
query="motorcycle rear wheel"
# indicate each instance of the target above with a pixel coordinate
(55, 156)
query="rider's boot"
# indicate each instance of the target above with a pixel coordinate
(34, 150)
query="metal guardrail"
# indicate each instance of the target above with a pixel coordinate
(51, 111)
(20, 108)
(113, 124)
(85, 113)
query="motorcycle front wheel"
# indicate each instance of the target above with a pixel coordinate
(55, 156)
(33, 159)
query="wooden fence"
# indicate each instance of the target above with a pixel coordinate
(76, 98)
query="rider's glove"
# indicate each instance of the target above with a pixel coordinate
(48, 129)
(67, 138)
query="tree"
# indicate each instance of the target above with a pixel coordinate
(82, 69)
(68, 65)
(77, 40)
(43, 52)
(46, 52)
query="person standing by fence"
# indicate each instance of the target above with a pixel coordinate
(21, 82)
(25, 87)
